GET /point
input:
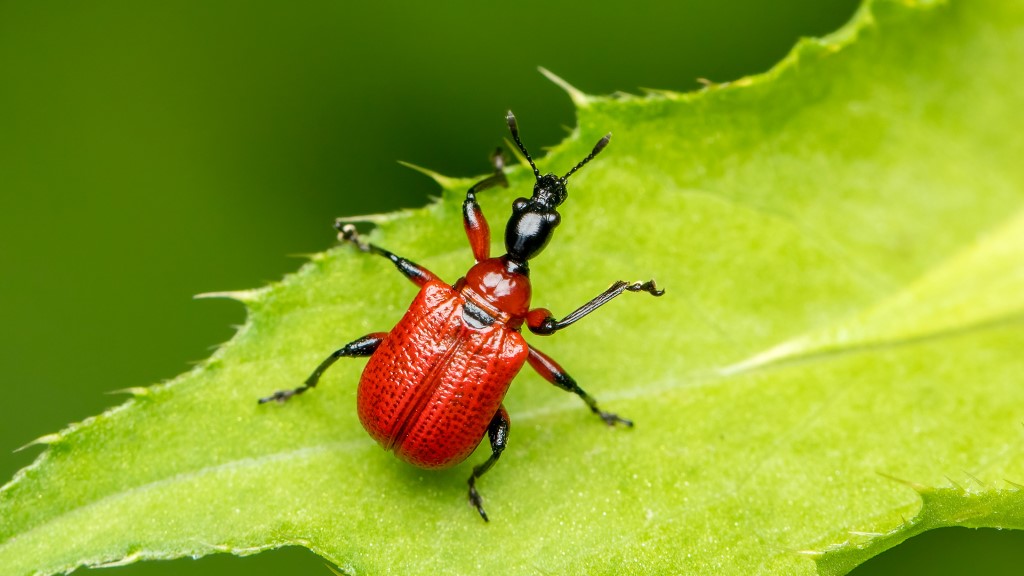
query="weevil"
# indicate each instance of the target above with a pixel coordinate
(434, 385)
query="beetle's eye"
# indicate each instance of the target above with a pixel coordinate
(553, 218)
(520, 204)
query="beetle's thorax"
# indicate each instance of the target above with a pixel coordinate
(499, 288)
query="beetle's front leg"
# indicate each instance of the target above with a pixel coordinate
(364, 346)
(552, 372)
(473, 217)
(540, 321)
(411, 270)
(497, 432)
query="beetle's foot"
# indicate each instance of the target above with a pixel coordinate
(649, 287)
(348, 233)
(613, 419)
(282, 396)
(476, 500)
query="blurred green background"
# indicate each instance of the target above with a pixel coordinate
(153, 151)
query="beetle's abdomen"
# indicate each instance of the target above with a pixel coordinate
(433, 385)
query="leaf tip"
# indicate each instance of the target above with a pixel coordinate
(577, 96)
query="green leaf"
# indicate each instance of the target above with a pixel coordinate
(835, 366)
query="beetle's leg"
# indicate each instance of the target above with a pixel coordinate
(540, 321)
(473, 217)
(497, 431)
(555, 374)
(364, 346)
(418, 274)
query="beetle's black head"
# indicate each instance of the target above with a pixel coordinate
(534, 220)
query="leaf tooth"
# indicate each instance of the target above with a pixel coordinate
(225, 548)
(577, 96)
(135, 391)
(373, 219)
(123, 561)
(955, 485)
(442, 180)
(867, 534)
(44, 440)
(1013, 484)
(214, 347)
(304, 255)
(244, 296)
(660, 93)
(917, 487)
(815, 554)
(977, 480)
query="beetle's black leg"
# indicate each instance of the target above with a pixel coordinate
(418, 274)
(364, 346)
(540, 321)
(497, 431)
(473, 217)
(555, 374)
(496, 179)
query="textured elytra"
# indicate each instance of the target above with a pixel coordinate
(842, 237)
(433, 385)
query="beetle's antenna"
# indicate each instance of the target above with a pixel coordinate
(514, 128)
(597, 149)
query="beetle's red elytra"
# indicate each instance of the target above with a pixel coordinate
(434, 384)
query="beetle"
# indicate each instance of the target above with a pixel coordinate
(434, 385)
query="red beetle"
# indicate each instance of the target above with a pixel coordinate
(434, 384)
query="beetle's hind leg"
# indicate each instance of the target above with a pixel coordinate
(552, 372)
(364, 346)
(497, 432)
